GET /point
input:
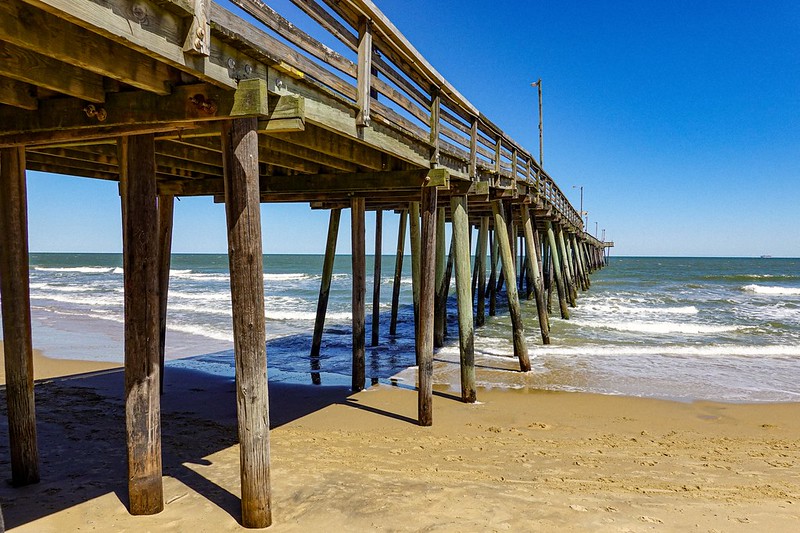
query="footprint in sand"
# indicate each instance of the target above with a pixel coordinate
(650, 520)
(539, 425)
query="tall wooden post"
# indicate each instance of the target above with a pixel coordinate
(324, 292)
(520, 345)
(556, 270)
(16, 310)
(493, 273)
(413, 213)
(166, 209)
(398, 270)
(376, 278)
(246, 259)
(427, 293)
(448, 274)
(480, 266)
(461, 260)
(567, 267)
(440, 303)
(533, 269)
(358, 255)
(140, 248)
(579, 262)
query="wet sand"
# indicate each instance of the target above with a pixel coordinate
(519, 460)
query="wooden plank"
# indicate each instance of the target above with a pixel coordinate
(566, 264)
(140, 261)
(43, 71)
(243, 213)
(325, 284)
(435, 128)
(96, 134)
(331, 144)
(514, 309)
(358, 257)
(198, 37)
(461, 262)
(339, 117)
(427, 292)
(148, 28)
(18, 94)
(38, 31)
(398, 269)
(205, 103)
(16, 315)
(376, 279)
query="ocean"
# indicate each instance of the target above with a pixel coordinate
(675, 328)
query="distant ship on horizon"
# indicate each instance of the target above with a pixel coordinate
(766, 257)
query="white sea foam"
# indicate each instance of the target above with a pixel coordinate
(199, 276)
(639, 310)
(657, 327)
(118, 270)
(79, 270)
(772, 290)
(287, 277)
(61, 288)
(80, 299)
(720, 350)
(304, 315)
(206, 296)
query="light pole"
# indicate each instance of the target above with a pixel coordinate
(538, 85)
(581, 188)
(596, 232)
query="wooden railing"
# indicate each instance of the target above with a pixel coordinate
(389, 82)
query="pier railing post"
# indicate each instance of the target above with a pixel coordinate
(556, 270)
(461, 262)
(16, 311)
(520, 344)
(427, 293)
(140, 248)
(533, 269)
(358, 257)
(246, 263)
(398, 270)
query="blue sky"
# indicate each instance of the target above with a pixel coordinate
(680, 119)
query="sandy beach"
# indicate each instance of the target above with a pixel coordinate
(519, 460)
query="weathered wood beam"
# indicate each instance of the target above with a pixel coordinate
(331, 144)
(398, 269)
(325, 285)
(166, 210)
(514, 309)
(536, 274)
(157, 32)
(38, 31)
(461, 262)
(44, 71)
(376, 278)
(140, 261)
(16, 314)
(364, 75)
(243, 213)
(187, 103)
(97, 134)
(440, 304)
(18, 94)
(427, 293)
(358, 257)
(55, 169)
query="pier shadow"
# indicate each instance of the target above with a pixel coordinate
(82, 437)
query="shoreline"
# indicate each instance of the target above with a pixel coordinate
(518, 459)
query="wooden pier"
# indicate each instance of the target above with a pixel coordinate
(184, 98)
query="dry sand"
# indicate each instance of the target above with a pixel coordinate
(518, 461)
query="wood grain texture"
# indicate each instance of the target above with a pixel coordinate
(16, 311)
(243, 213)
(427, 293)
(359, 265)
(398, 269)
(142, 317)
(461, 263)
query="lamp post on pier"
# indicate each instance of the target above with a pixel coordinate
(581, 211)
(538, 85)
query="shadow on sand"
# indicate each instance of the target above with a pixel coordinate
(81, 432)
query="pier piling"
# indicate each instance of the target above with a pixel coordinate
(461, 260)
